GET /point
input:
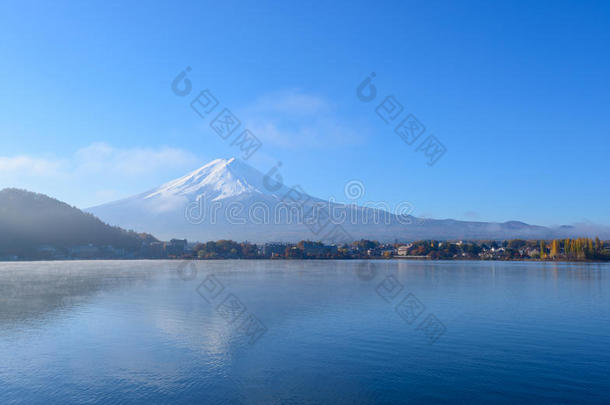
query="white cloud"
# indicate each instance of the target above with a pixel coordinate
(98, 158)
(295, 119)
(97, 173)
(27, 165)
(103, 158)
(290, 102)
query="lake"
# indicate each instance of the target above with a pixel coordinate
(304, 332)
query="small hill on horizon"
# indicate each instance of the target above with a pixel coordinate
(31, 221)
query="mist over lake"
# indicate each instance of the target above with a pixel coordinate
(271, 332)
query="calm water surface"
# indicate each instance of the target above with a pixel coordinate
(304, 332)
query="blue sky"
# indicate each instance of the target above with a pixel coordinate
(518, 93)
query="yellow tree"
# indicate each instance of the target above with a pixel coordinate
(579, 249)
(542, 250)
(573, 247)
(554, 249)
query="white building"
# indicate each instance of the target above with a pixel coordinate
(403, 250)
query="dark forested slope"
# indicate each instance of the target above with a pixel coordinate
(29, 221)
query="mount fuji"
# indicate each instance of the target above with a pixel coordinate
(228, 199)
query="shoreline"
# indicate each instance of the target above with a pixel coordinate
(422, 259)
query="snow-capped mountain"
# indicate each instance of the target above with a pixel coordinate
(218, 180)
(228, 199)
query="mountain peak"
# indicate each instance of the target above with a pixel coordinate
(219, 162)
(218, 179)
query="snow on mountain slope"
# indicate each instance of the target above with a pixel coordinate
(228, 199)
(221, 178)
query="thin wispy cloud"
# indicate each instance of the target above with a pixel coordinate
(291, 102)
(295, 119)
(99, 171)
(97, 158)
(28, 165)
(103, 158)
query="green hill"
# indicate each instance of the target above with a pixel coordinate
(31, 223)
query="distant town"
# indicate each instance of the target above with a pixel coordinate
(581, 249)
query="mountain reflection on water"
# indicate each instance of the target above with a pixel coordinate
(336, 332)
